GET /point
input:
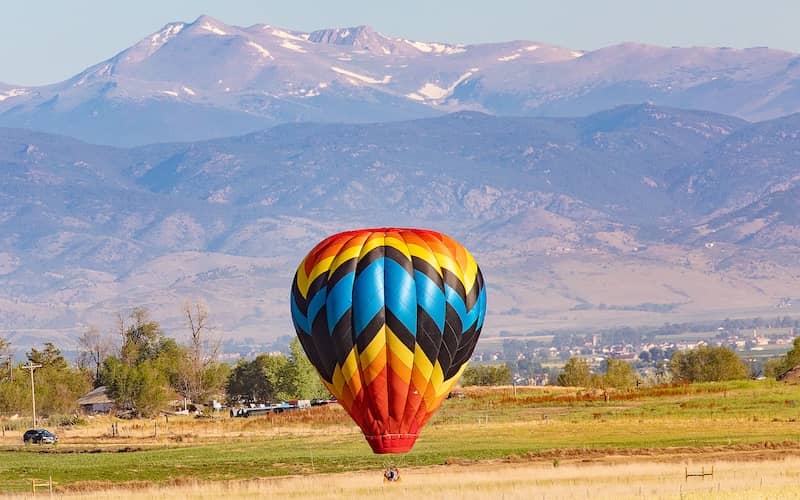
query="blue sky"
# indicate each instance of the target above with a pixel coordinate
(48, 41)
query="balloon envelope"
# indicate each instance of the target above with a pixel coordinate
(389, 318)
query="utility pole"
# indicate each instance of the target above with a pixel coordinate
(31, 366)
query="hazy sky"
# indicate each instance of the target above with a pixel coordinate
(48, 41)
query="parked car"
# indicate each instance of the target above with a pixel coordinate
(39, 436)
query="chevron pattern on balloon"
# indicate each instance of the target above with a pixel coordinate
(389, 317)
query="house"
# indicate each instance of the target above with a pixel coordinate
(791, 376)
(96, 401)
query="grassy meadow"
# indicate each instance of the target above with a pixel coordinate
(550, 428)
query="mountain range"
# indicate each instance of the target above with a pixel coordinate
(207, 79)
(632, 215)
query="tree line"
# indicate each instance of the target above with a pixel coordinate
(143, 369)
(701, 364)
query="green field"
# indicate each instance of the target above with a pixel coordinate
(539, 423)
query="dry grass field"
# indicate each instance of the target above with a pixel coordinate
(641, 479)
(494, 443)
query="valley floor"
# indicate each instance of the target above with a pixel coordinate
(764, 474)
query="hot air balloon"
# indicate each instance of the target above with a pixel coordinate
(389, 318)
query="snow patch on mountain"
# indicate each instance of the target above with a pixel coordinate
(435, 92)
(188, 91)
(12, 93)
(165, 35)
(286, 44)
(508, 58)
(435, 48)
(261, 50)
(213, 29)
(288, 36)
(432, 91)
(365, 79)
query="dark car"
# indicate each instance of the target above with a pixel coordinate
(39, 436)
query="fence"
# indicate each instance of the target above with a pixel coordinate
(39, 483)
(701, 474)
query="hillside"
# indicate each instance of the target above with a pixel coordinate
(557, 211)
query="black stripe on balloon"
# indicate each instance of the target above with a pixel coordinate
(448, 349)
(455, 283)
(451, 335)
(466, 346)
(475, 291)
(428, 270)
(399, 257)
(342, 336)
(326, 355)
(370, 330)
(307, 342)
(316, 285)
(429, 337)
(368, 258)
(343, 270)
(302, 303)
(400, 330)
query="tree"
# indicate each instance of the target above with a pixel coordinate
(6, 359)
(149, 364)
(201, 373)
(575, 374)
(486, 375)
(261, 380)
(776, 366)
(141, 388)
(708, 364)
(93, 348)
(302, 379)
(140, 341)
(619, 374)
(50, 356)
(58, 386)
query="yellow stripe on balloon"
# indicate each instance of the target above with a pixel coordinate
(422, 364)
(399, 349)
(351, 251)
(470, 273)
(350, 372)
(425, 254)
(447, 262)
(338, 382)
(435, 381)
(398, 244)
(373, 349)
(374, 241)
(302, 279)
(320, 267)
(448, 384)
